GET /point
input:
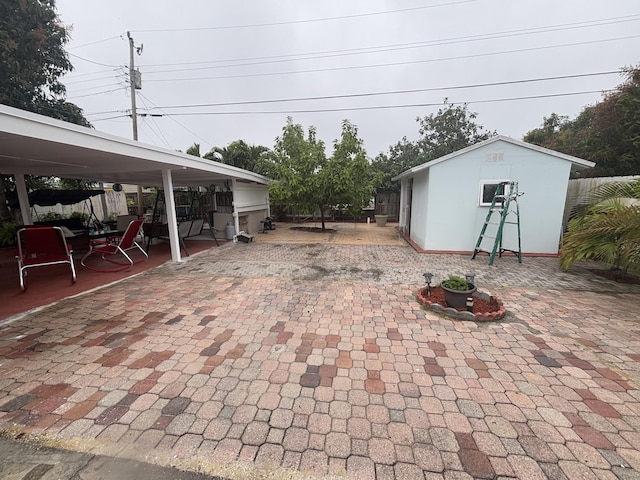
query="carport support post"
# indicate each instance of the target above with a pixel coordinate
(23, 199)
(170, 204)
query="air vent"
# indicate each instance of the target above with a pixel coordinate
(495, 157)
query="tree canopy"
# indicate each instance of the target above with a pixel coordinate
(307, 181)
(32, 61)
(451, 128)
(607, 133)
(242, 155)
(33, 58)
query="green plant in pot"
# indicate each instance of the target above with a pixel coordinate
(456, 290)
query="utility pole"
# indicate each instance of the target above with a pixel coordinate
(134, 113)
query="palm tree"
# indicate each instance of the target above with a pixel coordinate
(607, 230)
(239, 154)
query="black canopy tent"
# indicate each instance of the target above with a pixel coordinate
(49, 197)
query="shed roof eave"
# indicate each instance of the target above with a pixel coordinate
(575, 161)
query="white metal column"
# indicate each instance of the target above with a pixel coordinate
(170, 205)
(23, 199)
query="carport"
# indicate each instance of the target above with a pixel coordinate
(32, 144)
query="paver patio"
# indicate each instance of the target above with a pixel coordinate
(310, 354)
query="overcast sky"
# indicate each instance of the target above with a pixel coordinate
(199, 54)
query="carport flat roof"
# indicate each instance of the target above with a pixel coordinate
(33, 144)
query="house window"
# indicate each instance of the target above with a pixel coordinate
(487, 191)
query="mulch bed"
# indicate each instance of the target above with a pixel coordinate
(313, 229)
(617, 276)
(483, 309)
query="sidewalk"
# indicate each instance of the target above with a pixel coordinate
(23, 461)
(312, 359)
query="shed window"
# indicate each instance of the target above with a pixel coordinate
(487, 191)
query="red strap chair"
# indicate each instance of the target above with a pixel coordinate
(114, 249)
(40, 247)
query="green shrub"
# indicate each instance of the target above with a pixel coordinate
(51, 216)
(454, 282)
(8, 232)
(81, 215)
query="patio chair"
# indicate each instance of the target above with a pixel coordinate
(40, 247)
(184, 231)
(123, 221)
(114, 249)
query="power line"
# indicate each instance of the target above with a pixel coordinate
(396, 92)
(393, 64)
(95, 42)
(156, 125)
(176, 121)
(311, 20)
(380, 107)
(393, 47)
(92, 61)
(95, 93)
(370, 94)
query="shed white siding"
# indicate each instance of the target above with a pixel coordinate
(446, 215)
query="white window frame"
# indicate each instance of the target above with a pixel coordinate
(483, 183)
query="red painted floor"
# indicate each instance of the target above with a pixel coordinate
(49, 284)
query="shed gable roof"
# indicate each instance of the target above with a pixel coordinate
(578, 162)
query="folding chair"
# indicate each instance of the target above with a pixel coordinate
(40, 247)
(115, 248)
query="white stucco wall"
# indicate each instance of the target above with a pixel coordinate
(250, 204)
(419, 212)
(454, 219)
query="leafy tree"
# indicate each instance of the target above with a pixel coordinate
(32, 60)
(194, 150)
(295, 165)
(347, 178)
(402, 156)
(607, 133)
(452, 128)
(307, 181)
(239, 154)
(608, 230)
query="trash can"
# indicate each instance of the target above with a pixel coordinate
(229, 231)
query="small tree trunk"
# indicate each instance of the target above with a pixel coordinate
(322, 217)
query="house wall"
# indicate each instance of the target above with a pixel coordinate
(419, 211)
(454, 218)
(250, 205)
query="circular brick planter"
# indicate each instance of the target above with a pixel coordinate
(492, 300)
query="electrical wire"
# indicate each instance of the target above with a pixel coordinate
(292, 22)
(386, 48)
(95, 42)
(142, 99)
(379, 107)
(104, 92)
(371, 94)
(177, 122)
(92, 61)
(397, 92)
(392, 64)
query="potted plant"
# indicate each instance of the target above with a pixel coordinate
(381, 220)
(456, 290)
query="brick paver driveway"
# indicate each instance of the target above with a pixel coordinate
(293, 354)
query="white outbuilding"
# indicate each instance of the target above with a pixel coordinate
(444, 202)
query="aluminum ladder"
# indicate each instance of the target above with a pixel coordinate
(502, 205)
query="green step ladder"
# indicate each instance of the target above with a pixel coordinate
(506, 194)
